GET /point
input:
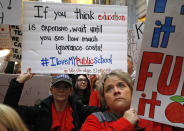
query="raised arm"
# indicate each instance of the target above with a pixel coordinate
(14, 91)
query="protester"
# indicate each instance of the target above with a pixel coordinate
(55, 113)
(4, 60)
(82, 89)
(10, 120)
(94, 97)
(116, 94)
(10, 67)
(91, 78)
(95, 84)
(131, 69)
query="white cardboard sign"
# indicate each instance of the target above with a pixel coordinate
(74, 38)
(159, 87)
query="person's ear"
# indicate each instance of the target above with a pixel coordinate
(51, 89)
(71, 90)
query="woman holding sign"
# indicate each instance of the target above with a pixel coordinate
(115, 92)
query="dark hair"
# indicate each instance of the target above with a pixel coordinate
(87, 91)
(94, 81)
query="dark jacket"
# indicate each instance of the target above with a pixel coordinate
(40, 116)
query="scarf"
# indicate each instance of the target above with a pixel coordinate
(62, 120)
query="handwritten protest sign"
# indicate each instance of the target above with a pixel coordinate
(5, 39)
(10, 12)
(139, 30)
(134, 41)
(32, 92)
(73, 38)
(159, 86)
(16, 36)
(132, 47)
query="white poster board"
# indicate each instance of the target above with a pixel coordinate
(74, 38)
(159, 87)
(10, 12)
(34, 90)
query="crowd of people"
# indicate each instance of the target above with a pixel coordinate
(77, 102)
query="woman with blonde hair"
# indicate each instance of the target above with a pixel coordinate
(115, 94)
(10, 120)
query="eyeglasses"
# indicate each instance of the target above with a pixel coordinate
(82, 80)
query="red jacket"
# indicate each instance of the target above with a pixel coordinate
(96, 122)
(94, 99)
